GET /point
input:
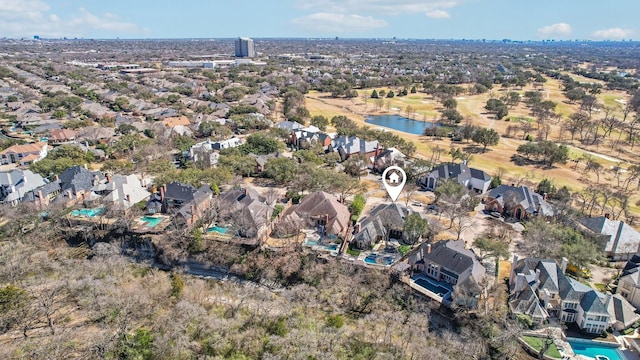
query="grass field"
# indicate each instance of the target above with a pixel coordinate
(537, 343)
(497, 158)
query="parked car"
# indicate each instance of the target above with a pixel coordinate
(416, 203)
(495, 214)
(432, 208)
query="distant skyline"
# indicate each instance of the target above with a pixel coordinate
(433, 19)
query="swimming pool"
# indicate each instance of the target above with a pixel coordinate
(88, 212)
(151, 221)
(592, 348)
(434, 288)
(218, 229)
(373, 259)
(312, 243)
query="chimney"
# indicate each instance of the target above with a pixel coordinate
(85, 166)
(537, 275)
(428, 248)
(69, 194)
(358, 228)
(564, 264)
(56, 178)
(193, 213)
(608, 216)
(163, 188)
(40, 198)
(128, 198)
(108, 176)
(607, 300)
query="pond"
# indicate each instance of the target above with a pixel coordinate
(399, 123)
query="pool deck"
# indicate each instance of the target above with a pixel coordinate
(566, 350)
(140, 226)
(424, 291)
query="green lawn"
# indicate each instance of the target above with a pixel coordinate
(537, 344)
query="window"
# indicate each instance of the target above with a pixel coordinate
(626, 286)
(568, 305)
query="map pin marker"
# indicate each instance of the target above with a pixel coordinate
(393, 179)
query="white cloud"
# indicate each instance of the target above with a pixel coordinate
(24, 18)
(387, 7)
(612, 34)
(338, 23)
(438, 14)
(559, 29)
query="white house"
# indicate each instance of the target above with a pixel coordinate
(23, 154)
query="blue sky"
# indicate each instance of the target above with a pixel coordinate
(431, 19)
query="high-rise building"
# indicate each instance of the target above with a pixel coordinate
(245, 48)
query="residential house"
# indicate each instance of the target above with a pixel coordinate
(623, 313)
(386, 221)
(629, 282)
(261, 160)
(174, 121)
(320, 211)
(621, 241)
(42, 196)
(207, 151)
(352, 145)
(246, 214)
(76, 183)
(61, 136)
(517, 202)
(289, 125)
(539, 289)
(305, 138)
(193, 210)
(96, 134)
(15, 184)
(24, 154)
(119, 192)
(453, 266)
(174, 196)
(389, 157)
(470, 178)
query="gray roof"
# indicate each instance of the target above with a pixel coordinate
(527, 302)
(321, 204)
(16, 183)
(45, 190)
(621, 238)
(354, 145)
(78, 178)
(248, 210)
(382, 216)
(592, 303)
(522, 195)
(181, 192)
(289, 125)
(453, 256)
(623, 312)
(197, 198)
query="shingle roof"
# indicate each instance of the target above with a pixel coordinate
(382, 216)
(623, 237)
(592, 303)
(77, 179)
(453, 256)
(180, 192)
(320, 204)
(25, 148)
(622, 311)
(522, 195)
